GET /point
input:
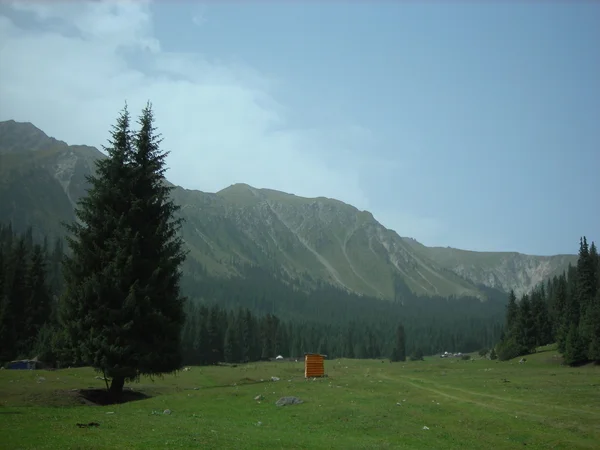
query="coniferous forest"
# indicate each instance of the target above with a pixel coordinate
(249, 318)
(258, 316)
(565, 310)
(122, 297)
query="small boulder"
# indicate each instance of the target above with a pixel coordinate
(284, 401)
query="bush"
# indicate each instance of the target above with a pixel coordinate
(466, 357)
(510, 349)
(417, 355)
(483, 352)
(493, 354)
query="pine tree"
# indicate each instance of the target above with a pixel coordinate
(526, 326)
(399, 352)
(5, 318)
(594, 329)
(122, 309)
(586, 288)
(231, 345)
(37, 304)
(561, 325)
(594, 266)
(417, 355)
(14, 307)
(324, 346)
(575, 351)
(245, 325)
(586, 281)
(214, 338)
(542, 325)
(512, 311)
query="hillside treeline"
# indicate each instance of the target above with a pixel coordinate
(342, 324)
(243, 319)
(565, 310)
(30, 282)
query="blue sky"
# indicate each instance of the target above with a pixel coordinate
(463, 125)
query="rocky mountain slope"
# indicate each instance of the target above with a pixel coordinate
(312, 240)
(500, 270)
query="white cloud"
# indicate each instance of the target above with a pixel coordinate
(199, 14)
(71, 73)
(198, 19)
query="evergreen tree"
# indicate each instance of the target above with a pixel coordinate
(349, 342)
(594, 266)
(526, 326)
(594, 330)
(586, 282)
(586, 288)
(324, 346)
(399, 352)
(512, 311)
(214, 338)
(417, 355)
(231, 344)
(14, 308)
(575, 351)
(245, 336)
(38, 304)
(561, 322)
(539, 312)
(122, 309)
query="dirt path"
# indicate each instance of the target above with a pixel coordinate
(510, 399)
(441, 390)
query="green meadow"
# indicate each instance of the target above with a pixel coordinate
(432, 404)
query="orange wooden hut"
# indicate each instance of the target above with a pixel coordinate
(314, 365)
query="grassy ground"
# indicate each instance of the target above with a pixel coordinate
(362, 404)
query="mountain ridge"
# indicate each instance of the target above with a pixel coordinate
(310, 239)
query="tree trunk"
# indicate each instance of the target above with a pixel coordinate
(116, 386)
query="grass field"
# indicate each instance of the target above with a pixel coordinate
(361, 404)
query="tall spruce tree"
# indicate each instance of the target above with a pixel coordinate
(231, 345)
(594, 329)
(592, 312)
(37, 304)
(512, 312)
(526, 326)
(399, 352)
(539, 311)
(122, 308)
(561, 325)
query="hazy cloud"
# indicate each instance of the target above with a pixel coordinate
(69, 67)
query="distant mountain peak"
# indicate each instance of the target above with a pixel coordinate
(311, 240)
(22, 136)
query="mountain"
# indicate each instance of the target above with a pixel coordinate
(499, 270)
(311, 240)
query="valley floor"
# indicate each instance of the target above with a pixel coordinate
(431, 404)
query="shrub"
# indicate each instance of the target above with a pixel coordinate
(417, 355)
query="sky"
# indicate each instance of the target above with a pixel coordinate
(470, 125)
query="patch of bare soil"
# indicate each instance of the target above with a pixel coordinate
(101, 397)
